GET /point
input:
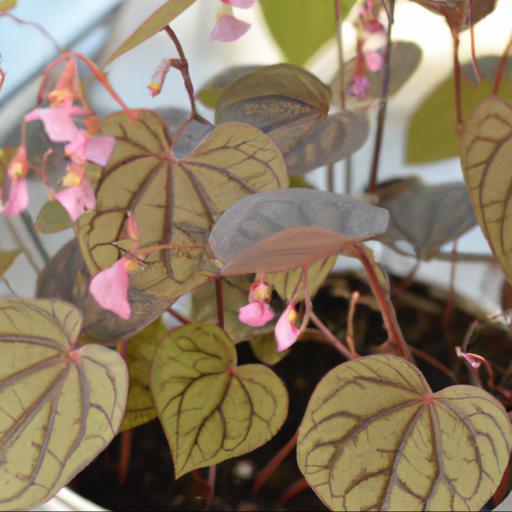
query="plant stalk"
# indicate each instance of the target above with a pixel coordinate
(34, 235)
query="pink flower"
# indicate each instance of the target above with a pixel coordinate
(286, 332)
(76, 199)
(58, 122)
(256, 314)
(228, 28)
(373, 60)
(241, 4)
(110, 288)
(359, 86)
(16, 185)
(473, 359)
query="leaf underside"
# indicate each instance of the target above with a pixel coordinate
(375, 437)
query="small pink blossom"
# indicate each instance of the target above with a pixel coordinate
(359, 86)
(373, 60)
(76, 199)
(241, 4)
(16, 187)
(473, 359)
(256, 314)
(286, 332)
(110, 288)
(99, 148)
(58, 122)
(228, 28)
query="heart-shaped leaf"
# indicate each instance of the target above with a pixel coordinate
(210, 92)
(174, 202)
(334, 139)
(375, 437)
(53, 218)
(66, 277)
(212, 410)
(405, 59)
(139, 355)
(486, 153)
(59, 407)
(152, 25)
(287, 229)
(300, 30)
(235, 291)
(425, 216)
(286, 102)
(264, 347)
(431, 134)
(7, 258)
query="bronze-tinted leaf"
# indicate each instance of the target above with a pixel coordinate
(152, 25)
(375, 437)
(284, 101)
(53, 218)
(174, 202)
(66, 277)
(405, 59)
(210, 92)
(7, 258)
(425, 216)
(59, 406)
(334, 139)
(287, 229)
(486, 154)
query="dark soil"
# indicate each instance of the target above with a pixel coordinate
(150, 484)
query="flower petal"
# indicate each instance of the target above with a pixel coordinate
(285, 332)
(77, 199)
(228, 28)
(58, 123)
(256, 314)
(110, 289)
(99, 148)
(18, 197)
(374, 60)
(241, 4)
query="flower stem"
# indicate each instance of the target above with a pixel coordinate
(501, 67)
(220, 301)
(34, 235)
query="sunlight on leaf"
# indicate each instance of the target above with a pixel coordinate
(7, 258)
(151, 26)
(486, 153)
(375, 437)
(53, 218)
(139, 355)
(301, 30)
(212, 410)
(173, 201)
(59, 408)
(287, 229)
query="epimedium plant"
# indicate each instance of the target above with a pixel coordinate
(164, 203)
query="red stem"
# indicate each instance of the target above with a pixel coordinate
(220, 301)
(476, 68)
(125, 456)
(269, 469)
(385, 305)
(212, 476)
(178, 316)
(292, 491)
(501, 67)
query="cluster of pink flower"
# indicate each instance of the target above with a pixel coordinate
(82, 145)
(258, 313)
(371, 34)
(228, 27)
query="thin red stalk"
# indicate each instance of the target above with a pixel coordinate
(385, 305)
(220, 301)
(37, 26)
(126, 437)
(407, 281)
(381, 118)
(339, 40)
(501, 67)
(350, 323)
(330, 177)
(330, 337)
(292, 491)
(178, 316)
(212, 476)
(476, 67)
(450, 303)
(433, 362)
(269, 469)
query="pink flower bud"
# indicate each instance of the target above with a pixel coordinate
(256, 314)
(286, 332)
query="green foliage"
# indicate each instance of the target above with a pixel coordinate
(375, 437)
(7, 258)
(53, 218)
(59, 407)
(301, 27)
(210, 408)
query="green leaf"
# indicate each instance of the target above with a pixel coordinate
(290, 284)
(264, 347)
(66, 277)
(432, 134)
(6, 155)
(5, 5)
(139, 355)
(212, 410)
(59, 407)
(235, 291)
(53, 218)
(7, 258)
(486, 153)
(152, 25)
(173, 201)
(375, 437)
(301, 27)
